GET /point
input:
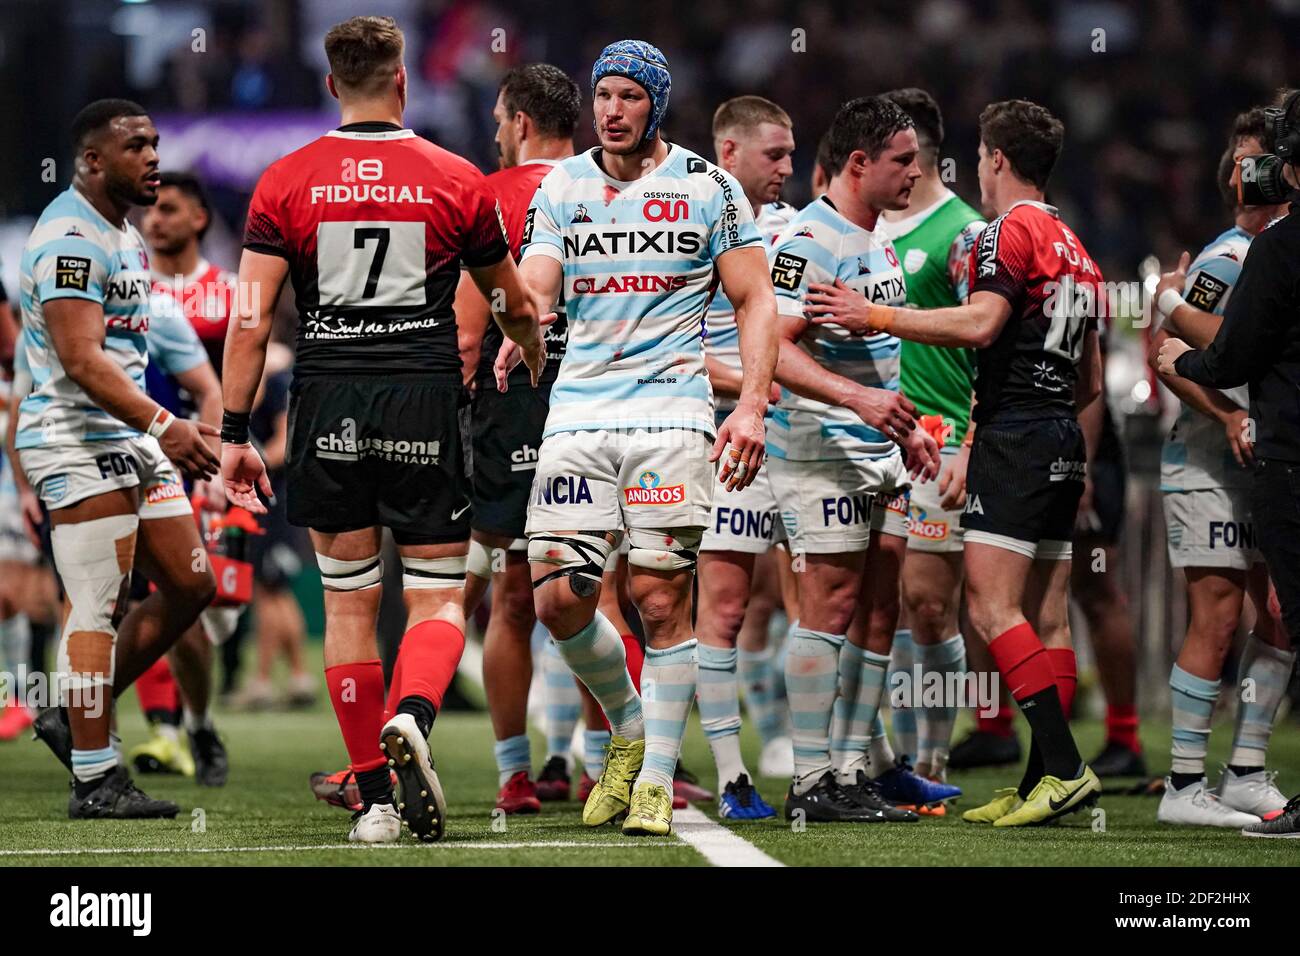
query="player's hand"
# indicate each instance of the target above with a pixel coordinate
(839, 305)
(33, 516)
(184, 443)
(743, 431)
(1239, 440)
(213, 493)
(244, 472)
(534, 356)
(952, 482)
(1175, 280)
(890, 412)
(510, 355)
(1086, 519)
(921, 455)
(1170, 350)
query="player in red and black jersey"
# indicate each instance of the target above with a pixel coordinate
(536, 112)
(372, 223)
(1032, 314)
(174, 227)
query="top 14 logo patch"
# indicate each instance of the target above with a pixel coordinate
(650, 490)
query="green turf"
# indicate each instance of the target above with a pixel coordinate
(267, 804)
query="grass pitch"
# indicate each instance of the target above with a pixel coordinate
(266, 814)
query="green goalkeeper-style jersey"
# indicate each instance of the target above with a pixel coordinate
(934, 247)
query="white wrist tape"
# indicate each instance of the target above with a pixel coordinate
(162, 420)
(1169, 300)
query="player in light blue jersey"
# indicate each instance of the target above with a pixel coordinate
(100, 452)
(739, 567)
(837, 442)
(634, 234)
(1205, 477)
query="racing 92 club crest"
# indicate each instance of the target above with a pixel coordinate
(651, 490)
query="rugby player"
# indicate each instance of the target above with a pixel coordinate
(19, 555)
(1097, 585)
(752, 140)
(174, 227)
(101, 452)
(838, 437)
(178, 361)
(633, 233)
(372, 223)
(1034, 295)
(536, 113)
(1205, 477)
(932, 238)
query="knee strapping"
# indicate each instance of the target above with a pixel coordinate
(579, 556)
(479, 560)
(94, 558)
(664, 549)
(336, 575)
(430, 573)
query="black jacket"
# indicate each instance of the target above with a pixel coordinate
(1259, 341)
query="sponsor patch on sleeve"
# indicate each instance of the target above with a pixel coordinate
(787, 271)
(72, 272)
(528, 225)
(1206, 292)
(695, 165)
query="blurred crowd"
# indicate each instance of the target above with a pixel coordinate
(1146, 89)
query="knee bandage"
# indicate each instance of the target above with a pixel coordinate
(219, 623)
(664, 549)
(336, 575)
(434, 572)
(94, 558)
(479, 560)
(579, 556)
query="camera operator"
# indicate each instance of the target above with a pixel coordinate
(1258, 343)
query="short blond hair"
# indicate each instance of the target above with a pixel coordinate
(363, 53)
(747, 113)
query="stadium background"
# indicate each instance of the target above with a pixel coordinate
(1146, 90)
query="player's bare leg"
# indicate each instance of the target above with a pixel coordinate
(1216, 598)
(931, 600)
(757, 666)
(1095, 583)
(726, 602)
(433, 581)
(351, 572)
(507, 675)
(865, 763)
(567, 595)
(1007, 592)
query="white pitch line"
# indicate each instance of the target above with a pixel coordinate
(298, 848)
(716, 843)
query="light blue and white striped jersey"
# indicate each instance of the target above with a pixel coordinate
(638, 262)
(721, 336)
(820, 245)
(174, 346)
(74, 252)
(1196, 455)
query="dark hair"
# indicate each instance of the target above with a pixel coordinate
(1247, 125)
(1028, 135)
(189, 185)
(823, 158)
(97, 115)
(920, 105)
(546, 95)
(867, 123)
(363, 53)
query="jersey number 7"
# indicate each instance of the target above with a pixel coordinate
(371, 263)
